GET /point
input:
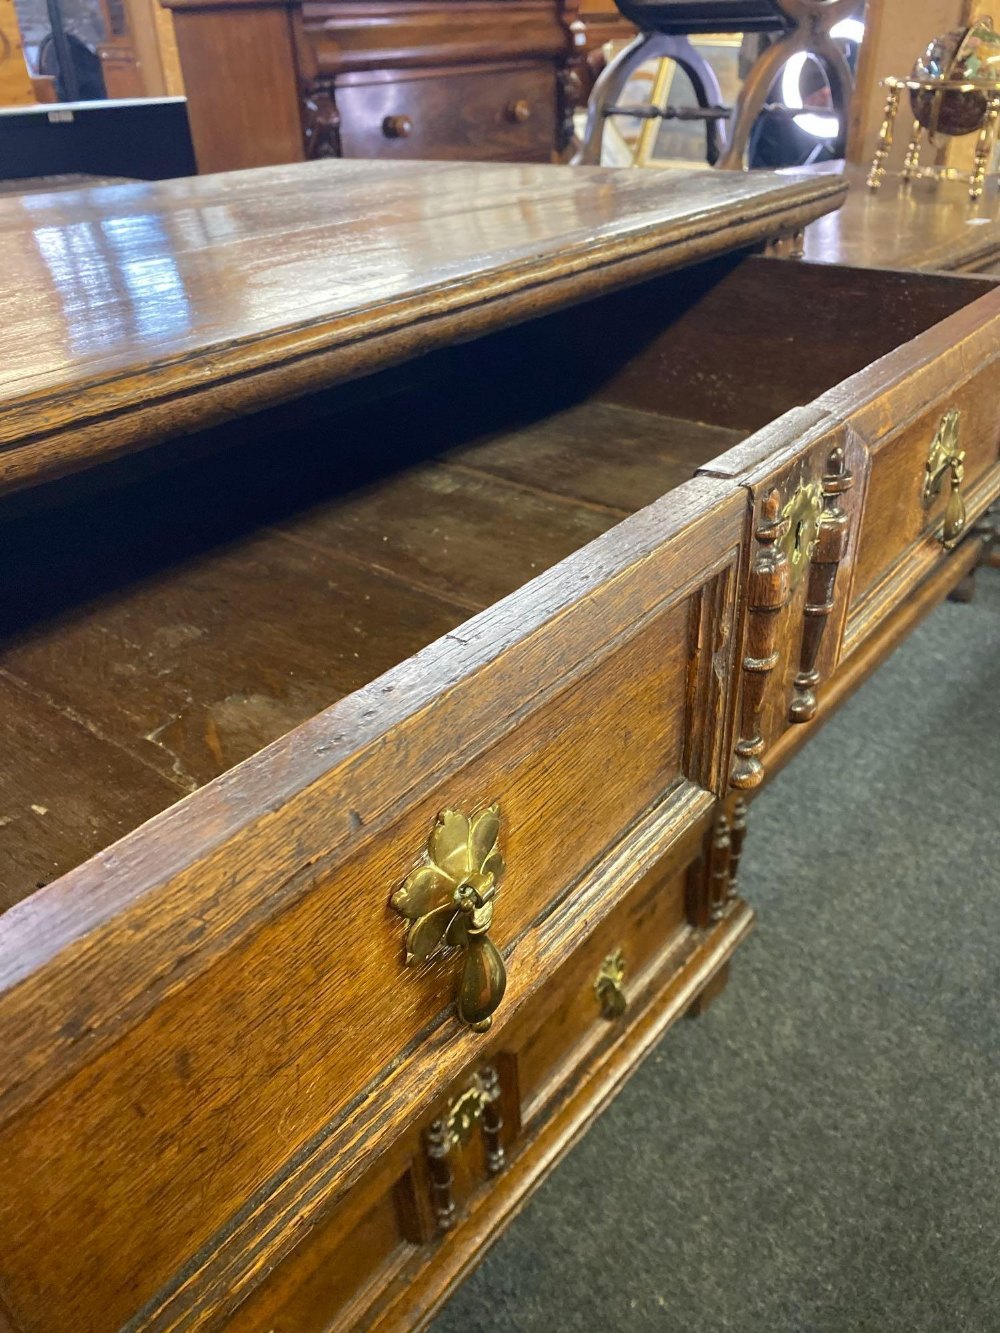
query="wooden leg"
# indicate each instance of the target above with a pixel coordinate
(966, 590)
(707, 996)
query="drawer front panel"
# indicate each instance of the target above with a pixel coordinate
(902, 529)
(604, 981)
(490, 115)
(591, 708)
(452, 1170)
(899, 407)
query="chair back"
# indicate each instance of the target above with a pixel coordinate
(693, 17)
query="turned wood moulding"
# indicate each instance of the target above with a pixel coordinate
(143, 311)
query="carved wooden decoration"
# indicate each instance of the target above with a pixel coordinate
(321, 120)
(438, 1143)
(713, 884)
(719, 883)
(768, 593)
(496, 1159)
(737, 832)
(831, 543)
(480, 1107)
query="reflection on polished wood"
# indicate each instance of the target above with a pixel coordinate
(136, 312)
(918, 224)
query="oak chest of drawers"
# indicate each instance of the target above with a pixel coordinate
(412, 572)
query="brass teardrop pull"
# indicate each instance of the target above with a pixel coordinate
(945, 458)
(449, 901)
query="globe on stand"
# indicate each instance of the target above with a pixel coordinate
(954, 90)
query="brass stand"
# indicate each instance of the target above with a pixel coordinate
(912, 169)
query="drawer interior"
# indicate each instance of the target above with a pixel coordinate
(165, 616)
(739, 342)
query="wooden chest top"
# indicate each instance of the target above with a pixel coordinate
(145, 310)
(926, 225)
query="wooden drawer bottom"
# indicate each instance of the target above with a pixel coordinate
(392, 1251)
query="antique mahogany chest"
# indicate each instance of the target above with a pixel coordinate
(484, 80)
(411, 572)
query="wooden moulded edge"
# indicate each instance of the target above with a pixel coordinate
(49, 435)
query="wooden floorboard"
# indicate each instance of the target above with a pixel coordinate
(615, 457)
(65, 793)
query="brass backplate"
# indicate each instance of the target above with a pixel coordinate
(608, 986)
(464, 1112)
(944, 452)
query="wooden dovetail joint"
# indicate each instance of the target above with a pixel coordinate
(767, 596)
(831, 543)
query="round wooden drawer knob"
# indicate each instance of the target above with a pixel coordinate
(397, 127)
(519, 111)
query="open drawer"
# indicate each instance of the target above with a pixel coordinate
(541, 757)
(868, 410)
(550, 580)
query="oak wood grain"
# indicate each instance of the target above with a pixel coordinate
(66, 791)
(602, 611)
(143, 311)
(926, 225)
(745, 341)
(189, 637)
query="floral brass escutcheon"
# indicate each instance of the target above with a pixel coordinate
(449, 901)
(803, 513)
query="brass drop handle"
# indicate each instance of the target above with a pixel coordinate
(519, 111)
(946, 459)
(449, 900)
(608, 986)
(397, 127)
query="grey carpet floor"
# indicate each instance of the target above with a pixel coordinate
(821, 1151)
